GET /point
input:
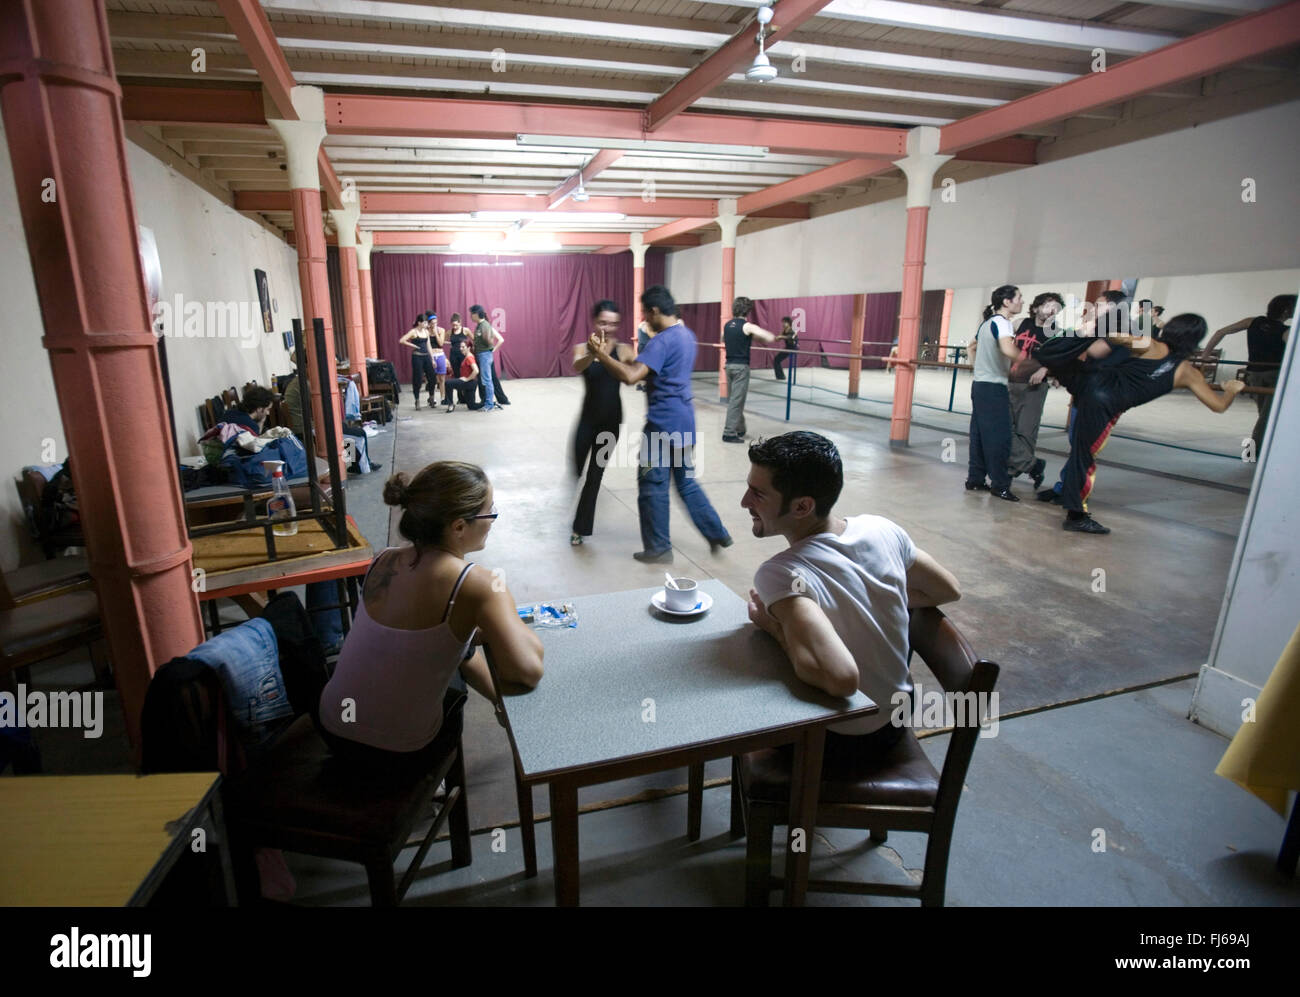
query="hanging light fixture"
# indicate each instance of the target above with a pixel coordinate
(762, 71)
(580, 195)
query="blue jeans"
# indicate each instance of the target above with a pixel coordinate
(326, 623)
(662, 457)
(485, 375)
(248, 660)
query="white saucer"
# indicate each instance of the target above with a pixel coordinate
(659, 601)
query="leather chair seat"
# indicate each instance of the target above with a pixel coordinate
(70, 617)
(902, 778)
(300, 788)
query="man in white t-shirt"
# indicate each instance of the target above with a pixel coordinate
(837, 598)
(990, 401)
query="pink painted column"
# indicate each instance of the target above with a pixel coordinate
(856, 334)
(365, 241)
(62, 115)
(637, 242)
(729, 222)
(919, 166)
(302, 139)
(345, 221)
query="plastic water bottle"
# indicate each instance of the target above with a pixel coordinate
(280, 505)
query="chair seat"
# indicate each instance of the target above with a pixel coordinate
(300, 789)
(902, 778)
(46, 623)
(47, 577)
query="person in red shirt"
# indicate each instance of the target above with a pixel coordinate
(467, 384)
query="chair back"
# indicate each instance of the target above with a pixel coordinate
(949, 656)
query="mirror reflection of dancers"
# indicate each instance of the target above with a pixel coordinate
(417, 338)
(602, 413)
(1135, 371)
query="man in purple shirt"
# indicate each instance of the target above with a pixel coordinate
(665, 364)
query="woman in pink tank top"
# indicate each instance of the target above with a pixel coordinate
(411, 650)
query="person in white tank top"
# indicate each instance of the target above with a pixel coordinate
(423, 610)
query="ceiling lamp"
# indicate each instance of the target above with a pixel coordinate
(762, 71)
(580, 195)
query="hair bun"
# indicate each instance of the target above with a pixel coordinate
(396, 489)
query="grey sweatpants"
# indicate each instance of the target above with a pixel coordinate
(737, 390)
(1027, 402)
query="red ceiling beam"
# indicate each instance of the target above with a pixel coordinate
(150, 105)
(615, 241)
(355, 114)
(598, 163)
(714, 70)
(663, 233)
(1200, 55)
(1010, 151)
(257, 39)
(403, 202)
(810, 183)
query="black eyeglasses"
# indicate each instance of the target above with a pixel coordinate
(491, 515)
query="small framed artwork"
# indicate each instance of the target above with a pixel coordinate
(264, 300)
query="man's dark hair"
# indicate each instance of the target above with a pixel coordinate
(255, 398)
(603, 305)
(1159, 309)
(1044, 298)
(1282, 307)
(477, 310)
(785, 318)
(802, 463)
(998, 298)
(659, 297)
(741, 307)
(1114, 297)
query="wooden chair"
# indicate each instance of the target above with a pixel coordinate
(31, 489)
(300, 799)
(45, 628)
(1208, 367)
(900, 792)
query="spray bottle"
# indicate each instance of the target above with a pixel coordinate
(280, 504)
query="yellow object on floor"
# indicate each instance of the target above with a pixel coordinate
(1264, 756)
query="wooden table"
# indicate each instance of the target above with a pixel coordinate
(235, 563)
(717, 686)
(104, 840)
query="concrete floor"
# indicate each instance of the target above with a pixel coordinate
(1121, 758)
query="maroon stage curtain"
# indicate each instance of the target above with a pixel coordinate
(540, 304)
(704, 319)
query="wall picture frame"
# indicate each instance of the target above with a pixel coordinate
(264, 300)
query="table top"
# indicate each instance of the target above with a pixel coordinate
(89, 841)
(711, 678)
(235, 562)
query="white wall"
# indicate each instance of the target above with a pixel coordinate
(208, 252)
(1261, 607)
(1162, 206)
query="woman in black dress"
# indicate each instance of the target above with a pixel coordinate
(602, 415)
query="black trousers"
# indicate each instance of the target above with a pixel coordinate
(1093, 421)
(589, 440)
(422, 367)
(990, 434)
(776, 365)
(501, 398)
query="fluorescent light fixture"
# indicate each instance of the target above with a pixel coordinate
(542, 216)
(641, 145)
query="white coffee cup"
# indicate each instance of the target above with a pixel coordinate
(683, 596)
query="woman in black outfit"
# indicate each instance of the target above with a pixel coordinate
(602, 415)
(1265, 343)
(1107, 380)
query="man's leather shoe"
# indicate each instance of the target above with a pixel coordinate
(1050, 495)
(1085, 525)
(663, 557)
(976, 486)
(1006, 494)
